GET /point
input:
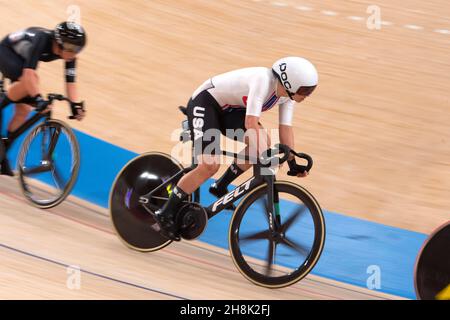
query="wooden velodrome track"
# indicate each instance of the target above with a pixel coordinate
(38, 246)
(377, 128)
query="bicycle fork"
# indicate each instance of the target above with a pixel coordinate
(273, 205)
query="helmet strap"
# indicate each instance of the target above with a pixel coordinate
(290, 94)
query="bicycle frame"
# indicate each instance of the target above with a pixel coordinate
(24, 127)
(240, 191)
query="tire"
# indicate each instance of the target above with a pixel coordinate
(432, 267)
(138, 177)
(248, 261)
(33, 190)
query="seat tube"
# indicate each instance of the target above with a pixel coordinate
(276, 203)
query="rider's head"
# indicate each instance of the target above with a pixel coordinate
(70, 38)
(297, 75)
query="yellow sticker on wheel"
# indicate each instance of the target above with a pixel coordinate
(444, 294)
(169, 189)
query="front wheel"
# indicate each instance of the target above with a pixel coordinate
(48, 164)
(277, 247)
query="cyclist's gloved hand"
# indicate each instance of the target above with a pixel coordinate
(296, 169)
(77, 110)
(40, 104)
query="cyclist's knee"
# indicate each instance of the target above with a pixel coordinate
(28, 77)
(208, 169)
(29, 74)
(22, 110)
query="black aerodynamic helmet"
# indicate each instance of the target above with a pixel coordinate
(70, 36)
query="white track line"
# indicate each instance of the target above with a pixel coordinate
(442, 31)
(355, 18)
(279, 4)
(304, 8)
(329, 13)
(413, 27)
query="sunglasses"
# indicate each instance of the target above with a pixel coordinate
(303, 91)
(69, 47)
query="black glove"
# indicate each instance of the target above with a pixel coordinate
(40, 104)
(76, 107)
(294, 168)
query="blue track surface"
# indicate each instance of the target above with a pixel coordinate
(352, 245)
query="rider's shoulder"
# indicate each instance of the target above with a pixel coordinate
(257, 71)
(30, 34)
(35, 32)
(251, 76)
(260, 75)
(38, 30)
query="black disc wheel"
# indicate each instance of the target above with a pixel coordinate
(432, 270)
(133, 223)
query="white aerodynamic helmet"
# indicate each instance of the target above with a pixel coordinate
(297, 75)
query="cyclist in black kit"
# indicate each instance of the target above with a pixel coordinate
(20, 53)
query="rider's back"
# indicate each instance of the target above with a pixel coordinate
(232, 89)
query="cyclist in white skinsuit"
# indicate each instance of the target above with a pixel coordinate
(253, 89)
(235, 100)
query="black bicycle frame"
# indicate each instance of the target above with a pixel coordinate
(240, 191)
(24, 127)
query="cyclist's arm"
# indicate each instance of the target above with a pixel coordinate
(255, 102)
(286, 112)
(29, 75)
(70, 75)
(72, 91)
(287, 137)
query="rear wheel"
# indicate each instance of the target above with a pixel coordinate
(131, 220)
(48, 164)
(276, 247)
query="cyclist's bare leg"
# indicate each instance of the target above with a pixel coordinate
(20, 116)
(17, 91)
(27, 86)
(207, 167)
